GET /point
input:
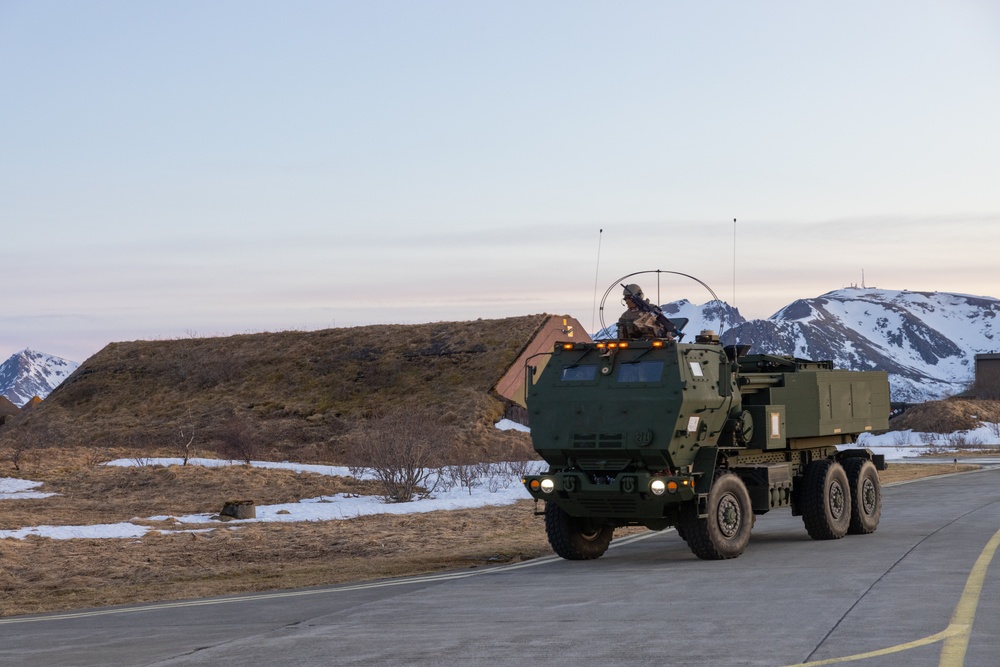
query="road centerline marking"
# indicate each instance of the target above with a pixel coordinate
(955, 636)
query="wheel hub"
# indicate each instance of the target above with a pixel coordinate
(837, 500)
(729, 515)
(868, 497)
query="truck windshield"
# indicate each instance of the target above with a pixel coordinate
(584, 373)
(640, 371)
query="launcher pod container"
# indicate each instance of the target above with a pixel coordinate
(701, 437)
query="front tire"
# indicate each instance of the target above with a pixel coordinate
(725, 532)
(866, 496)
(575, 538)
(826, 506)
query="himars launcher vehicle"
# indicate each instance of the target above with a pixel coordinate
(659, 433)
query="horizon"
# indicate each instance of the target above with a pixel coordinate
(186, 169)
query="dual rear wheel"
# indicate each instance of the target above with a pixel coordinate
(866, 496)
(840, 499)
(836, 500)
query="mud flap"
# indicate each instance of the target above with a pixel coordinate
(704, 472)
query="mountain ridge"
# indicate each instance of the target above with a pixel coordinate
(30, 373)
(926, 341)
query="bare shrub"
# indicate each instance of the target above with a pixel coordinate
(442, 483)
(497, 477)
(957, 440)
(185, 444)
(402, 450)
(241, 441)
(96, 456)
(18, 449)
(517, 469)
(491, 475)
(134, 441)
(465, 476)
(901, 438)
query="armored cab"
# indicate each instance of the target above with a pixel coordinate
(702, 438)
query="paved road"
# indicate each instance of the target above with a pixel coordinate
(918, 589)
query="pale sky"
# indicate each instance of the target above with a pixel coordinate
(174, 169)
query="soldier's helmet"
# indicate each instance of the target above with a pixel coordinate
(633, 291)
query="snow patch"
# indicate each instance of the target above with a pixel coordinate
(510, 425)
(12, 488)
(500, 489)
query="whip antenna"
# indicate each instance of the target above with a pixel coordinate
(593, 311)
(734, 262)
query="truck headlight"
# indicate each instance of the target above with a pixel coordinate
(548, 485)
(657, 487)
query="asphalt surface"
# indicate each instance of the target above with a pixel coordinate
(919, 591)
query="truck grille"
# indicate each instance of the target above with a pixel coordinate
(617, 506)
(603, 464)
(598, 440)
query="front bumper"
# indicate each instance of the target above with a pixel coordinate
(626, 495)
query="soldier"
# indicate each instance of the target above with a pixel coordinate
(641, 322)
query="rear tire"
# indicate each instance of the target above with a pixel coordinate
(575, 538)
(826, 502)
(866, 496)
(725, 532)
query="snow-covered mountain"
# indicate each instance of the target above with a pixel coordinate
(927, 341)
(715, 315)
(29, 373)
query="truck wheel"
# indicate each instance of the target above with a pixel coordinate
(826, 500)
(575, 538)
(725, 532)
(866, 496)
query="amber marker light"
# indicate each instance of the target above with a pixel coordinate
(672, 486)
(535, 485)
(567, 346)
(657, 343)
(622, 345)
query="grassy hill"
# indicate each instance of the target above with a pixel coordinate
(288, 394)
(948, 415)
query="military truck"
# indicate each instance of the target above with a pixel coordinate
(701, 437)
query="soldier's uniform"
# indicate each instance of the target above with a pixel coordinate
(635, 324)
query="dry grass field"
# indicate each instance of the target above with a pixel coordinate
(41, 574)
